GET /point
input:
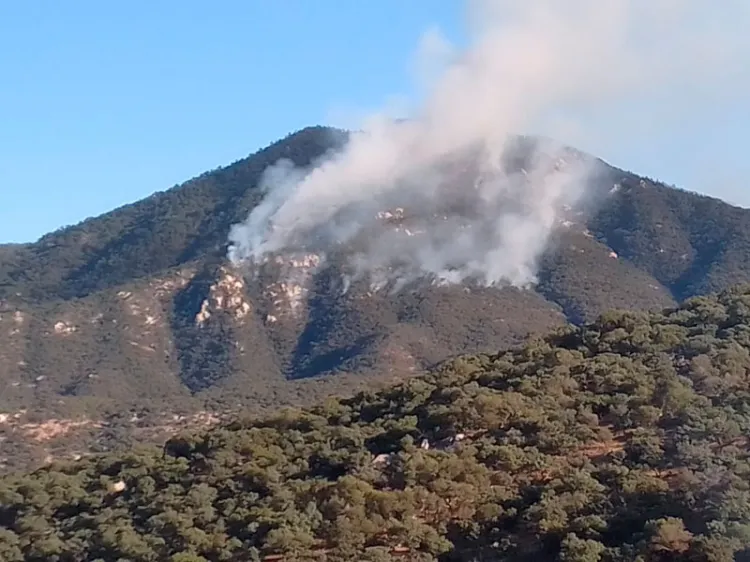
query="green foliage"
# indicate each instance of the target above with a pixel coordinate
(691, 244)
(624, 439)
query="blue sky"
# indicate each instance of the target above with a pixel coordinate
(103, 103)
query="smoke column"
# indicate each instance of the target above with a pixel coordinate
(440, 194)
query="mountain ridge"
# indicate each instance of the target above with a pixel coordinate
(140, 308)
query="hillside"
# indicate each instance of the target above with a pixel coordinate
(623, 439)
(138, 314)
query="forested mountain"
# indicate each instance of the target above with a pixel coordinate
(136, 317)
(621, 440)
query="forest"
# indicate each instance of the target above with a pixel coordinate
(625, 439)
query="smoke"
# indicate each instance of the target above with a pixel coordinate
(451, 193)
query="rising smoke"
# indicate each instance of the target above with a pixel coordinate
(442, 194)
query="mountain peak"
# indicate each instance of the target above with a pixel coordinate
(140, 307)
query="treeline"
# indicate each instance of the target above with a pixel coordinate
(623, 440)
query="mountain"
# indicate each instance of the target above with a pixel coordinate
(623, 439)
(136, 318)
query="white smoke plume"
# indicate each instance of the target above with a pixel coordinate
(439, 194)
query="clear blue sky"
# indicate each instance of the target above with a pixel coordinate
(103, 103)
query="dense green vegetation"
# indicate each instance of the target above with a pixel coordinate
(692, 244)
(625, 439)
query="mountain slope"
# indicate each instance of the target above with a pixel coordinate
(165, 230)
(692, 244)
(139, 307)
(624, 439)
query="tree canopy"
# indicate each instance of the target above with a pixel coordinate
(624, 439)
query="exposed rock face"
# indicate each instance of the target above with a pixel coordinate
(64, 328)
(226, 294)
(288, 295)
